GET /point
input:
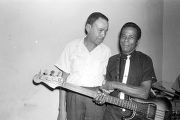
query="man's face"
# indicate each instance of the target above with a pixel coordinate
(97, 31)
(128, 40)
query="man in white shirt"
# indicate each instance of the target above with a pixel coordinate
(83, 63)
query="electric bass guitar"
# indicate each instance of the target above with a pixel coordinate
(153, 109)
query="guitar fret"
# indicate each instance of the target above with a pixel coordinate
(120, 102)
(107, 99)
(114, 100)
(110, 99)
(128, 106)
(133, 106)
(125, 104)
(117, 101)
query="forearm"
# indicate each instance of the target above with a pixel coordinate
(62, 99)
(62, 105)
(138, 92)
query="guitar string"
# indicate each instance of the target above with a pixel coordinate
(159, 113)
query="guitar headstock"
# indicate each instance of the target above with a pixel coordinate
(51, 79)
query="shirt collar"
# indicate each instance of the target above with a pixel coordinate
(124, 56)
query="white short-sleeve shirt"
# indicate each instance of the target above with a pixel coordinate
(86, 68)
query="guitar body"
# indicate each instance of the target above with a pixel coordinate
(163, 110)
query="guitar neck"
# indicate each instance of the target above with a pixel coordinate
(78, 89)
(57, 82)
(109, 99)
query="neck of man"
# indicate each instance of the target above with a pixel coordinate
(89, 45)
(128, 53)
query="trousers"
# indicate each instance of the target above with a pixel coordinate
(80, 107)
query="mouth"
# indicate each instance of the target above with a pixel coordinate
(125, 46)
(101, 38)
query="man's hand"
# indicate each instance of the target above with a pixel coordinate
(108, 85)
(100, 97)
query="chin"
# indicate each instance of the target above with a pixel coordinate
(125, 51)
(98, 43)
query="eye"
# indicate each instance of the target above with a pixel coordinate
(101, 30)
(123, 37)
(132, 37)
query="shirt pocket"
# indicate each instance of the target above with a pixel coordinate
(77, 61)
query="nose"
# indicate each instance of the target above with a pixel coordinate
(125, 39)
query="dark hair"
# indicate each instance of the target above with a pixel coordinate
(133, 25)
(93, 17)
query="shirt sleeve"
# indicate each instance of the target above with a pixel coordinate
(148, 70)
(106, 61)
(111, 71)
(108, 75)
(63, 62)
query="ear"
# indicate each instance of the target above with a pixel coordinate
(137, 43)
(88, 27)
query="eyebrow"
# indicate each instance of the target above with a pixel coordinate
(128, 35)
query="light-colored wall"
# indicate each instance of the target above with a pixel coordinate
(171, 42)
(34, 32)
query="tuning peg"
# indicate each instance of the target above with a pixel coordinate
(45, 72)
(59, 74)
(40, 72)
(52, 73)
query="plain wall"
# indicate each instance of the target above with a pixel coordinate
(171, 42)
(34, 32)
